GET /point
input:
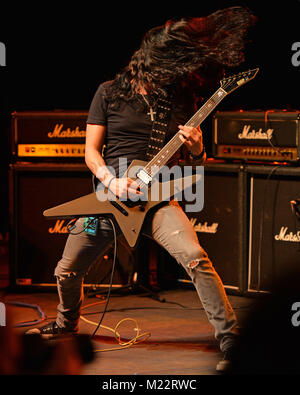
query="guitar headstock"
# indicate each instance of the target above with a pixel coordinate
(229, 84)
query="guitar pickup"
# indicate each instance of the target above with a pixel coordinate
(144, 176)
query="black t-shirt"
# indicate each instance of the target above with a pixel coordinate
(128, 126)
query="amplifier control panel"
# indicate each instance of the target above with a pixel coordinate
(51, 150)
(257, 153)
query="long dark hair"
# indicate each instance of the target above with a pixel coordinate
(180, 50)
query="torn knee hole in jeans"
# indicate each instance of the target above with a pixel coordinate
(194, 263)
(64, 275)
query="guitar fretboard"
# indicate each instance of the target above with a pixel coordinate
(175, 143)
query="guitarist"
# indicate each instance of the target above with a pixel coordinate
(171, 64)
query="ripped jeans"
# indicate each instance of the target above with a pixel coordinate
(170, 227)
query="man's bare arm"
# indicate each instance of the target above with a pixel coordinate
(95, 135)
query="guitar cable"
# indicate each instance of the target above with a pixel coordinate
(268, 124)
(42, 315)
(71, 225)
(111, 277)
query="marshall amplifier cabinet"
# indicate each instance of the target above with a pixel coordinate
(257, 135)
(36, 243)
(48, 134)
(274, 230)
(221, 226)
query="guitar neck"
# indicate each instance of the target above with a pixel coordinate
(175, 143)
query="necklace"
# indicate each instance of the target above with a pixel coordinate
(151, 112)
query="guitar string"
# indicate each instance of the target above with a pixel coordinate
(175, 143)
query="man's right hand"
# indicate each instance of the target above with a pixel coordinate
(124, 187)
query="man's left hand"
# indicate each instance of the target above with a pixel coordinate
(192, 138)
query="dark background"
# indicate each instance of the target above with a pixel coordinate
(58, 54)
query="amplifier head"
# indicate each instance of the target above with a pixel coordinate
(48, 134)
(257, 135)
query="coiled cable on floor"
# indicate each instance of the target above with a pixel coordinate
(138, 338)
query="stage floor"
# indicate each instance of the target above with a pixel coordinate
(181, 342)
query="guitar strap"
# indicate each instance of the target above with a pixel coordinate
(160, 127)
(159, 130)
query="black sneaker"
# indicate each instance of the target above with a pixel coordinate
(51, 330)
(225, 365)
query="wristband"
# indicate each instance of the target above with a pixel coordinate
(103, 173)
(200, 156)
(108, 185)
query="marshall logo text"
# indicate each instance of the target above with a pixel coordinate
(58, 132)
(204, 228)
(253, 135)
(59, 227)
(284, 235)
